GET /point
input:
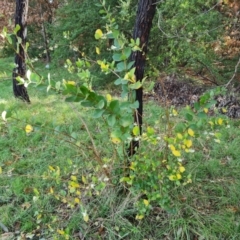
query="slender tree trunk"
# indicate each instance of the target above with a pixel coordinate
(20, 90)
(45, 37)
(145, 13)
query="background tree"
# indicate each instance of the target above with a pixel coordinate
(20, 90)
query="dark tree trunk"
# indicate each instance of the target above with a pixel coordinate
(20, 90)
(145, 13)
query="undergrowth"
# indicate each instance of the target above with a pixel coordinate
(49, 187)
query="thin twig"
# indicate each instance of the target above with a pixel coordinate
(234, 74)
(98, 157)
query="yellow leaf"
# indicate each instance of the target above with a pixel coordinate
(132, 166)
(51, 190)
(146, 202)
(181, 169)
(0, 170)
(172, 147)
(188, 143)
(28, 128)
(178, 176)
(97, 50)
(61, 232)
(84, 180)
(116, 140)
(176, 153)
(168, 167)
(179, 136)
(220, 121)
(74, 178)
(71, 83)
(77, 200)
(211, 123)
(85, 217)
(108, 97)
(74, 184)
(51, 168)
(205, 110)
(139, 217)
(104, 66)
(190, 132)
(224, 110)
(175, 113)
(98, 34)
(172, 177)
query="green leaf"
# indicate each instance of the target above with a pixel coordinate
(17, 28)
(130, 64)
(100, 104)
(127, 52)
(135, 105)
(111, 120)
(126, 121)
(9, 39)
(202, 115)
(197, 105)
(189, 117)
(121, 66)
(87, 103)
(135, 85)
(120, 81)
(117, 57)
(125, 91)
(98, 113)
(180, 127)
(114, 106)
(84, 90)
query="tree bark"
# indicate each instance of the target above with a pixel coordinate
(145, 13)
(20, 90)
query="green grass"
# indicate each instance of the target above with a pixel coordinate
(34, 198)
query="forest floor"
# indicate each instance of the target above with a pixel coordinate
(44, 144)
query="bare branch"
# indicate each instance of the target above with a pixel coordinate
(234, 74)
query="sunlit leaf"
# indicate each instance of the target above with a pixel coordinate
(108, 97)
(98, 34)
(85, 217)
(188, 143)
(97, 50)
(136, 131)
(220, 121)
(179, 136)
(51, 168)
(74, 178)
(174, 112)
(176, 153)
(84, 180)
(146, 202)
(190, 132)
(181, 169)
(115, 140)
(61, 232)
(139, 217)
(28, 128)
